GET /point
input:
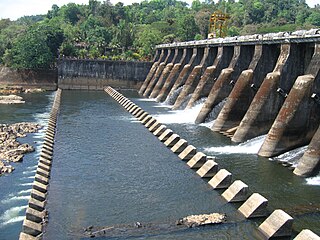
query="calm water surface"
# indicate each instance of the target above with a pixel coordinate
(109, 169)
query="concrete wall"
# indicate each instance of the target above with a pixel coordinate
(270, 85)
(96, 74)
(26, 78)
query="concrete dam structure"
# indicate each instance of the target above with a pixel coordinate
(259, 84)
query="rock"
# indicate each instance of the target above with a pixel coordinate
(11, 99)
(202, 219)
(12, 90)
(5, 168)
(10, 149)
(34, 90)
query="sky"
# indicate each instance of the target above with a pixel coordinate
(14, 9)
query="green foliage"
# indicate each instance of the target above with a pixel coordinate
(36, 48)
(103, 30)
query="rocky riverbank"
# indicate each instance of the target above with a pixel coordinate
(10, 149)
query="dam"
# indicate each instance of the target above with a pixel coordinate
(107, 168)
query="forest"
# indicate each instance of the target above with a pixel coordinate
(102, 30)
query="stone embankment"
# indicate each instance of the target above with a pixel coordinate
(10, 149)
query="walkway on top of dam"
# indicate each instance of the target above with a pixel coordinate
(108, 169)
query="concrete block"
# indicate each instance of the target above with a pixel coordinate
(41, 179)
(179, 146)
(40, 196)
(237, 192)
(188, 153)
(31, 228)
(150, 122)
(278, 224)
(221, 180)
(44, 167)
(133, 106)
(40, 187)
(42, 172)
(154, 126)
(255, 206)
(46, 156)
(132, 109)
(50, 139)
(37, 205)
(135, 111)
(197, 160)
(24, 236)
(146, 119)
(209, 169)
(45, 161)
(50, 134)
(128, 104)
(47, 144)
(46, 151)
(47, 148)
(143, 116)
(160, 130)
(139, 113)
(123, 101)
(172, 140)
(306, 234)
(34, 215)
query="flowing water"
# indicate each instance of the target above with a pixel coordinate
(109, 169)
(15, 188)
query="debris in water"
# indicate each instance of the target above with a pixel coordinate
(139, 229)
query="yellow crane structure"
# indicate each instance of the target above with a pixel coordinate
(218, 24)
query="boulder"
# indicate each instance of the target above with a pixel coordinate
(11, 99)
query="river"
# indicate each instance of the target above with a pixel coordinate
(109, 169)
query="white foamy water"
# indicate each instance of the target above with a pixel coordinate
(15, 198)
(12, 220)
(26, 184)
(251, 146)
(207, 124)
(32, 167)
(180, 116)
(12, 215)
(292, 156)
(25, 191)
(29, 172)
(313, 180)
(146, 99)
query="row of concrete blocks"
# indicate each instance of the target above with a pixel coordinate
(36, 214)
(278, 224)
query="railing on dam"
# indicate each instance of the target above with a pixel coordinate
(258, 84)
(95, 74)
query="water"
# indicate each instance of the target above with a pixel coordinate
(15, 188)
(109, 169)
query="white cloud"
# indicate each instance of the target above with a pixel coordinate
(14, 9)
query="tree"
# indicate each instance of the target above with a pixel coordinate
(36, 48)
(146, 41)
(314, 18)
(187, 28)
